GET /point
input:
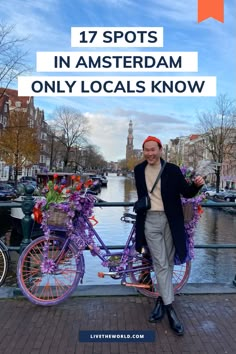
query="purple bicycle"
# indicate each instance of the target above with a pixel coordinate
(51, 267)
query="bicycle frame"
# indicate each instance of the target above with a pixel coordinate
(49, 273)
(117, 269)
(4, 247)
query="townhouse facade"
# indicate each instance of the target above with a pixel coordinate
(10, 101)
(190, 150)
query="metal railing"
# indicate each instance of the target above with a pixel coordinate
(27, 222)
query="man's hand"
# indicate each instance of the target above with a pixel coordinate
(198, 181)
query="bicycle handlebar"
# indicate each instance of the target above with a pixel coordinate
(129, 218)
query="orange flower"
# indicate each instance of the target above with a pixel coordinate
(73, 177)
(79, 186)
(200, 209)
(88, 183)
(56, 187)
(37, 215)
(68, 191)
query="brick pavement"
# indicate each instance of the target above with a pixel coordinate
(210, 325)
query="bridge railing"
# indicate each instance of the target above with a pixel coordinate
(27, 221)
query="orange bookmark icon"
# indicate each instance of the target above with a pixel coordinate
(210, 8)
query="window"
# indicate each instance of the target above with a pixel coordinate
(42, 158)
(18, 104)
(4, 122)
(43, 136)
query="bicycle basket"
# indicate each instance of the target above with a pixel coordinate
(57, 217)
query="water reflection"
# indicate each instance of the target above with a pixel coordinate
(215, 265)
(215, 226)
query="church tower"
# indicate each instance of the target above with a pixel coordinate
(130, 139)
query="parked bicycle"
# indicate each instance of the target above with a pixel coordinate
(52, 266)
(4, 262)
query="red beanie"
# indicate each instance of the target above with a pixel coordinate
(153, 138)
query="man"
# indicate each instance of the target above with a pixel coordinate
(162, 226)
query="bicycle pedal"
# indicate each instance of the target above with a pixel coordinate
(102, 274)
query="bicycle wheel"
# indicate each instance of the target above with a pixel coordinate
(141, 272)
(49, 288)
(4, 262)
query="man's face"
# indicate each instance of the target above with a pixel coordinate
(152, 152)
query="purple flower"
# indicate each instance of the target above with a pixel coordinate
(191, 225)
(77, 229)
(48, 266)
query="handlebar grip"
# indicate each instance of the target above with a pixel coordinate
(129, 215)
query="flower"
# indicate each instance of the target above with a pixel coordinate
(68, 200)
(78, 185)
(56, 191)
(53, 191)
(197, 211)
(188, 173)
(76, 207)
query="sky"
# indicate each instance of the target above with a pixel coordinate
(47, 26)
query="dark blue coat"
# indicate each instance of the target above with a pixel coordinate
(173, 186)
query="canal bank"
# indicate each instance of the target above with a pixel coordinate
(10, 292)
(209, 322)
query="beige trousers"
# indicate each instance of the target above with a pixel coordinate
(160, 243)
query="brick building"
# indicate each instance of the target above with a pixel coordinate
(189, 150)
(9, 101)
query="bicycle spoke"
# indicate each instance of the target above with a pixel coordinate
(139, 273)
(48, 288)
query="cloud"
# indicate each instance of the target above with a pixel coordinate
(110, 135)
(144, 117)
(38, 22)
(110, 131)
(48, 23)
(113, 3)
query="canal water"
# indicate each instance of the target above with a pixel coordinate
(208, 266)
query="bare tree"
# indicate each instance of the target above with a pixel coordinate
(91, 159)
(12, 57)
(219, 130)
(19, 144)
(131, 162)
(55, 148)
(71, 129)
